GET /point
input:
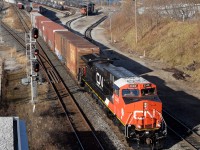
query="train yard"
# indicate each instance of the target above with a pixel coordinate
(67, 102)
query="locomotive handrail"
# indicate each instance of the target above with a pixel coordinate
(162, 119)
(129, 117)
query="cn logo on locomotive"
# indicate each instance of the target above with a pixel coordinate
(99, 80)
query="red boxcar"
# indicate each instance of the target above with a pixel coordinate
(62, 41)
(70, 47)
(33, 18)
(40, 20)
(49, 31)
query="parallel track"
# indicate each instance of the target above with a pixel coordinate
(80, 126)
(68, 24)
(22, 18)
(182, 131)
(88, 31)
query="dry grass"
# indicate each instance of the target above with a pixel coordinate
(172, 42)
(12, 20)
(43, 90)
(20, 56)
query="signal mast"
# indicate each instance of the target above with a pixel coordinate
(33, 65)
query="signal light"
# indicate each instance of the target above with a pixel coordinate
(35, 33)
(36, 52)
(36, 67)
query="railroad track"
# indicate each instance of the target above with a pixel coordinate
(82, 129)
(88, 31)
(68, 24)
(22, 18)
(182, 131)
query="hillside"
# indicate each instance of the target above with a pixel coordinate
(173, 42)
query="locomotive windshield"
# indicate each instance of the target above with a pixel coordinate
(149, 91)
(130, 92)
(133, 95)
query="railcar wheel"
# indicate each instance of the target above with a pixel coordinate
(82, 83)
(159, 144)
(109, 114)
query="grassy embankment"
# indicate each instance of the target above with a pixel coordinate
(170, 41)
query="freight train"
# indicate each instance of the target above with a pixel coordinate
(129, 98)
(55, 4)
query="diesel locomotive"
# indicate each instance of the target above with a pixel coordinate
(87, 8)
(130, 98)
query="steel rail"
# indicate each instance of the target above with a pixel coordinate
(88, 31)
(182, 130)
(68, 23)
(64, 107)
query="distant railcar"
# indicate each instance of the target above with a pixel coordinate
(87, 8)
(20, 5)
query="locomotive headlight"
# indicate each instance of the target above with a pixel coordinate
(145, 105)
(146, 132)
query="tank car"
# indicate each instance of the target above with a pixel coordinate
(130, 98)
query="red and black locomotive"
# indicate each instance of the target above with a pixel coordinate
(130, 98)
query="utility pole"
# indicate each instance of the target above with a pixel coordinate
(136, 21)
(110, 28)
(87, 8)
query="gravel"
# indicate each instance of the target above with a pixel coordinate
(6, 133)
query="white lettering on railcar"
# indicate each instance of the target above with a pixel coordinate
(99, 80)
(145, 113)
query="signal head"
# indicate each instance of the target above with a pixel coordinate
(35, 33)
(36, 67)
(36, 52)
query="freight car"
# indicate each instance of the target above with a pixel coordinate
(20, 5)
(54, 5)
(33, 7)
(129, 98)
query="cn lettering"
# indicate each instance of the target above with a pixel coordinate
(99, 80)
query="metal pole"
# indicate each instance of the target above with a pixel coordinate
(110, 28)
(136, 21)
(87, 10)
(31, 64)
